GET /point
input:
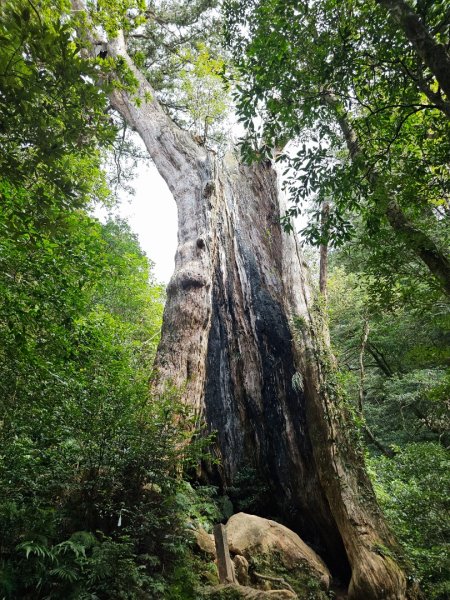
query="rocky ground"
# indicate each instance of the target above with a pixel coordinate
(269, 561)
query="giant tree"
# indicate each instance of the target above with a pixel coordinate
(242, 334)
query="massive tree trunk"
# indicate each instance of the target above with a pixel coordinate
(240, 336)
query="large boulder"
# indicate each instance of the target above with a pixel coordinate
(273, 549)
(240, 565)
(205, 542)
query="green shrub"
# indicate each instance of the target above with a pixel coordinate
(90, 464)
(413, 491)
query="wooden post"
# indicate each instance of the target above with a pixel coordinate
(224, 564)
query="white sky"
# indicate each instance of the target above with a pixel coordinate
(152, 215)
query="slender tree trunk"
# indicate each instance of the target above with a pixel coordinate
(435, 259)
(228, 340)
(379, 359)
(434, 55)
(362, 373)
(362, 394)
(323, 264)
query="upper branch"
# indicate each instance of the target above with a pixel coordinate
(433, 54)
(174, 152)
(436, 259)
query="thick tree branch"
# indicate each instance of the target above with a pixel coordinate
(380, 360)
(424, 85)
(381, 447)
(433, 54)
(435, 97)
(417, 240)
(173, 150)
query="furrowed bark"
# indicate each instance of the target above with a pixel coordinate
(226, 338)
(227, 341)
(371, 548)
(433, 54)
(191, 177)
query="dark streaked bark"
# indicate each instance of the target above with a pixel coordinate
(323, 264)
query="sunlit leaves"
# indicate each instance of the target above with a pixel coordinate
(115, 15)
(202, 90)
(50, 105)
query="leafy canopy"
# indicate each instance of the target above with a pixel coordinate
(307, 70)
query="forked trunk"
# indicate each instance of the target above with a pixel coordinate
(240, 335)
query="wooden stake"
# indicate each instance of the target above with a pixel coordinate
(224, 564)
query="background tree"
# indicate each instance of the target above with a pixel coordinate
(47, 86)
